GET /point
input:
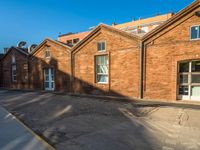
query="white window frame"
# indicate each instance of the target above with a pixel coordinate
(96, 73)
(14, 76)
(198, 37)
(99, 42)
(189, 84)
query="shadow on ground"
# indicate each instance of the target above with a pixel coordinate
(75, 123)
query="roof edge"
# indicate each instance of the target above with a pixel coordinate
(173, 19)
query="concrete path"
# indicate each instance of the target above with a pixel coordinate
(15, 136)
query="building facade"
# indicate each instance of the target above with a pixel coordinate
(15, 68)
(172, 58)
(106, 62)
(50, 67)
(163, 64)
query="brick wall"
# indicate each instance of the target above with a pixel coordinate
(123, 55)
(59, 61)
(162, 54)
(22, 71)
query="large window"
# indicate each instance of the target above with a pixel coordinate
(189, 80)
(195, 33)
(101, 46)
(101, 68)
(14, 73)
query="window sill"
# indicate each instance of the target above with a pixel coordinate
(195, 39)
(103, 83)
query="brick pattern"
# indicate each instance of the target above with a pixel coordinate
(123, 55)
(59, 61)
(163, 52)
(22, 70)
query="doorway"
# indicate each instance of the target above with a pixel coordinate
(189, 80)
(49, 84)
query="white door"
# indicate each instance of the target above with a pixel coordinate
(189, 80)
(49, 84)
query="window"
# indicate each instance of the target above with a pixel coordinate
(47, 54)
(101, 46)
(189, 80)
(195, 33)
(14, 73)
(13, 59)
(101, 68)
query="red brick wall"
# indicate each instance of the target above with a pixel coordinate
(123, 55)
(22, 73)
(60, 61)
(163, 52)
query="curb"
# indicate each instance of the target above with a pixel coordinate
(45, 143)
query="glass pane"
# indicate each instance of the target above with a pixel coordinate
(199, 33)
(52, 85)
(102, 78)
(184, 67)
(183, 90)
(98, 60)
(194, 32)
(46, 84)
(195, 78)
(196, 66)
(104, 69)
(52, 72)
(196, 91)
(98, 69)
(46, 71)
(103, 46)
(14, 78)
(46, 78)
(52, 78)
(99, 46)
(183, 79)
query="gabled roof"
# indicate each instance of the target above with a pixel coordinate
(172, 20)
(103, 26)
(50, 40)
(21, 50)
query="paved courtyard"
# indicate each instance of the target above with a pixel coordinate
(78, 123)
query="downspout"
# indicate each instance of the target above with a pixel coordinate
(141, 70)
(71, 72)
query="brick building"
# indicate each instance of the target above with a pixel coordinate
(162, 64)
(50, 67)
(106, 62)
(171, 68)
(15, 68)
(1, 69)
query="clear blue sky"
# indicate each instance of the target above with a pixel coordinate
(33, 20)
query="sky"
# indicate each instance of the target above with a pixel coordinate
(34, 20)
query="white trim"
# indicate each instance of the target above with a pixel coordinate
(189, 84)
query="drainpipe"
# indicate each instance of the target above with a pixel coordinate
(141, 70)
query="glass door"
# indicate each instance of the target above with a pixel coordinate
(49, 84)
(189, 80)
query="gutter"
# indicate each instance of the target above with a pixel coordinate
(141, 70)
